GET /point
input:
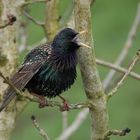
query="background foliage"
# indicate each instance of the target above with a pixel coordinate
(111, 23)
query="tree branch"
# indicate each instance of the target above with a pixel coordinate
(11, 19)
(52, 18)
(127, 46)
(117, 68)
(9, 11)
(90, 76)
(118, 132)
(133, 63)
(67, 15)
(36, 21)
(74, 126)
(64, 120)
(28, 2)
(40, 130)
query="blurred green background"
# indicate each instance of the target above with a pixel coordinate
(111, 21)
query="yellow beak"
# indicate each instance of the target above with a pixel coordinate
(78, 40)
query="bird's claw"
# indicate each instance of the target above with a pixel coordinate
(42, 102)
(65, 106)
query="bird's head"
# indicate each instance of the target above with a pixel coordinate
(64, 47)
(66, 41)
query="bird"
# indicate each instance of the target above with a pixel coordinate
(49, 69)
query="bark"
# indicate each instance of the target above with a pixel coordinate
(93, 87)
(9, 53)
(52, 18)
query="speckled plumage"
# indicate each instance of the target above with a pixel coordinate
(48, 70)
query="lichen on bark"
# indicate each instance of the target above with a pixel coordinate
(93, 87)
(9, 52)
(52, 18)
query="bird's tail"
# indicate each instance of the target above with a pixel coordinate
(7, 99)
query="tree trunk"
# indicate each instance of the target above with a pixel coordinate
(8, 63)
(91, 79)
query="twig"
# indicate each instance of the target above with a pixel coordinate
(35, 21)
(11, 20)
(67, 15)
(27, 2)
(117, 68)
(49, 103)
(65, 119)
(74, 126)
(118, 132)
(133, 63)
(126, 48)
(40, 130)
(57, 104)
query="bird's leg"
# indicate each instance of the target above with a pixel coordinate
(65, 104)
(42, 100)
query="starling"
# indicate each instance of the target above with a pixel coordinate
(49, 69)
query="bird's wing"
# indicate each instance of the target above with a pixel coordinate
(33, 62)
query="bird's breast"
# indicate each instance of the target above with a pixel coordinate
(51, 82)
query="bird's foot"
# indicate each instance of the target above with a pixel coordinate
(65, 106)
(42, 100)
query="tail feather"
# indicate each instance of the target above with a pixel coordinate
(7, 99)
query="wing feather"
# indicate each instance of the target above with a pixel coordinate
(33, 62)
